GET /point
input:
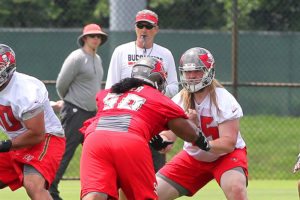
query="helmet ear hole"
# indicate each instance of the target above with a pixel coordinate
(7, 63)
(196, 59)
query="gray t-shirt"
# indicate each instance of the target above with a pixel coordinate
(80, 79)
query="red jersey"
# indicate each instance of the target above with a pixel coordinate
(143, 111)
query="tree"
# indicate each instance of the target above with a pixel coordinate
(181, 14)
(53, 13)
(276, 15)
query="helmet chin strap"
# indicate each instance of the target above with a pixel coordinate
(3, 77)
(156, 86)
(6, 75)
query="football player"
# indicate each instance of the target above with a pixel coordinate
(31, 155)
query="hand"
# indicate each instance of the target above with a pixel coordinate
(158, 143)
(57, 105)
(5, 145)
(202, 142)
(297, 165)
(193, 117)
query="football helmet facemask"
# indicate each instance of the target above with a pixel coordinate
(7, 63)
(150, 70)
(196, 59)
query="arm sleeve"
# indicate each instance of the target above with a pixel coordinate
(114, 71)
(66, 75)
(229, 108)
(33, 102)
(172, 87)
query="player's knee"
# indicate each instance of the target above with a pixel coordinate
(30, 190)
(238, 188)
(165, 190)
(236, 191)
(33, 187)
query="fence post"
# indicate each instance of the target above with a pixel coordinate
(234, 48)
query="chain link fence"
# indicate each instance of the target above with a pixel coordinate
(259, 65)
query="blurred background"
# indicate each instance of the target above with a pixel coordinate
(255, 44)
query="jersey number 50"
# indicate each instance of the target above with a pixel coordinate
(8, 120)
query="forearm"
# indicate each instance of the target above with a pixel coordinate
(168, 135)
(188, 136)
(27, 139)
(184, 129)
(297, 165)
(221, 145)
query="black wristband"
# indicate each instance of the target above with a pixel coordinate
(5, 145)
(202, 143)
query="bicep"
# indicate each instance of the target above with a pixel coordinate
(183, 128)
(229, 129)
(35, 131)
(35, 123)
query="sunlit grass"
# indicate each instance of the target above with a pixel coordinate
(257, 190)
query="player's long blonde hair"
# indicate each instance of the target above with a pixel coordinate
(188, 98)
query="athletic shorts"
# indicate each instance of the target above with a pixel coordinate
(192, 174)
(45, 157)
(112, 160)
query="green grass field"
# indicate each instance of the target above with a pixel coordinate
(257, 190)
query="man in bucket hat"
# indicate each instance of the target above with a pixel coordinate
(77, 84)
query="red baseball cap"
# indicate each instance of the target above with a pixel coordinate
(89, 30)
(146, 16)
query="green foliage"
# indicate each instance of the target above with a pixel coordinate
(3, 135)
(275, 15)
(174, 14)
(178, 14)
(23, 13)
(163, 3)
(53, 13)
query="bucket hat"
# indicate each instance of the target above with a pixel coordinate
(89, 30)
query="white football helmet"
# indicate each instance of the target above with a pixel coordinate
(150, 70)
(196, 59)
(7, 63)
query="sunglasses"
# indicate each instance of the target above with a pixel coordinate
(147, 26)
(94, 35)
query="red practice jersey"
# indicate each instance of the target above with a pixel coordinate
(143, 111)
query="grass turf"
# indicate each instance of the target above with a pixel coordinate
(257, 190)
